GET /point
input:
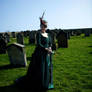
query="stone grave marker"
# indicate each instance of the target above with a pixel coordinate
(7, 36)
(20, 38)
(87, 33)
(2, 46)
(17, 54)
(78, 32)
(68, 35)
(32, 37)
(25, 34)
(62, 39)
(13, 34)
(53, 38)
(0, 35)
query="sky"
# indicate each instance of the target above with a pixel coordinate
(21, 15)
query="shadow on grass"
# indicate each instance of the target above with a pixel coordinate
(11, 88)
(9, 66)
(90, 52)
(29, 58)
(28, 44)
(14, 88)
(89, 46)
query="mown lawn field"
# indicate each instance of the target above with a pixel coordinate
(72, 67)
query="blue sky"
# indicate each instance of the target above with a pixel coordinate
(21, 15)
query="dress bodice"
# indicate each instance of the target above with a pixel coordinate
(43, 41)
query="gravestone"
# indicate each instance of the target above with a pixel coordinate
(20, 38)
(2, 35)
(62, 39)
(68, 35)
(17, 54)
(7, 36)
(25, 34)
(87, 33)
(32, 37)
(2, 46)
(52, 38)
(78, 32)
(91, 30)
(13, 34)
(72, 33)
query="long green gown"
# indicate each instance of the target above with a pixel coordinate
(39, 74)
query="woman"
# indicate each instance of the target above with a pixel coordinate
(39, 74)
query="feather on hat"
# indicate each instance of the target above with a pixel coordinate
(43, 22)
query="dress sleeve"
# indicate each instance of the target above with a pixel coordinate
(39, 40)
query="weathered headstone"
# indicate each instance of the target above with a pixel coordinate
(13, 34)
(62, 39)
(32, 37)
(87, 33)
(1, 35)
(7, 36)
(91, 30)
(17, 54)
(68, 35)
(53, 38)
(20, 38)
(72, 33)
(25, 34)
(2, 46)
(78, 32)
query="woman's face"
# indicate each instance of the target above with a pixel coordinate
(43, 28)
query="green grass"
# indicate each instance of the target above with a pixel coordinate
(72, 67)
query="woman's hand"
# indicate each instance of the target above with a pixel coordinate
(48, 50)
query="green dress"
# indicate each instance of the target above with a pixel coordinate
(40, 69)
(39, 74)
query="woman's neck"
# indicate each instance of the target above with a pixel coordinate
(43, 31)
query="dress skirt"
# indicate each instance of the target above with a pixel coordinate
(39, 74)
